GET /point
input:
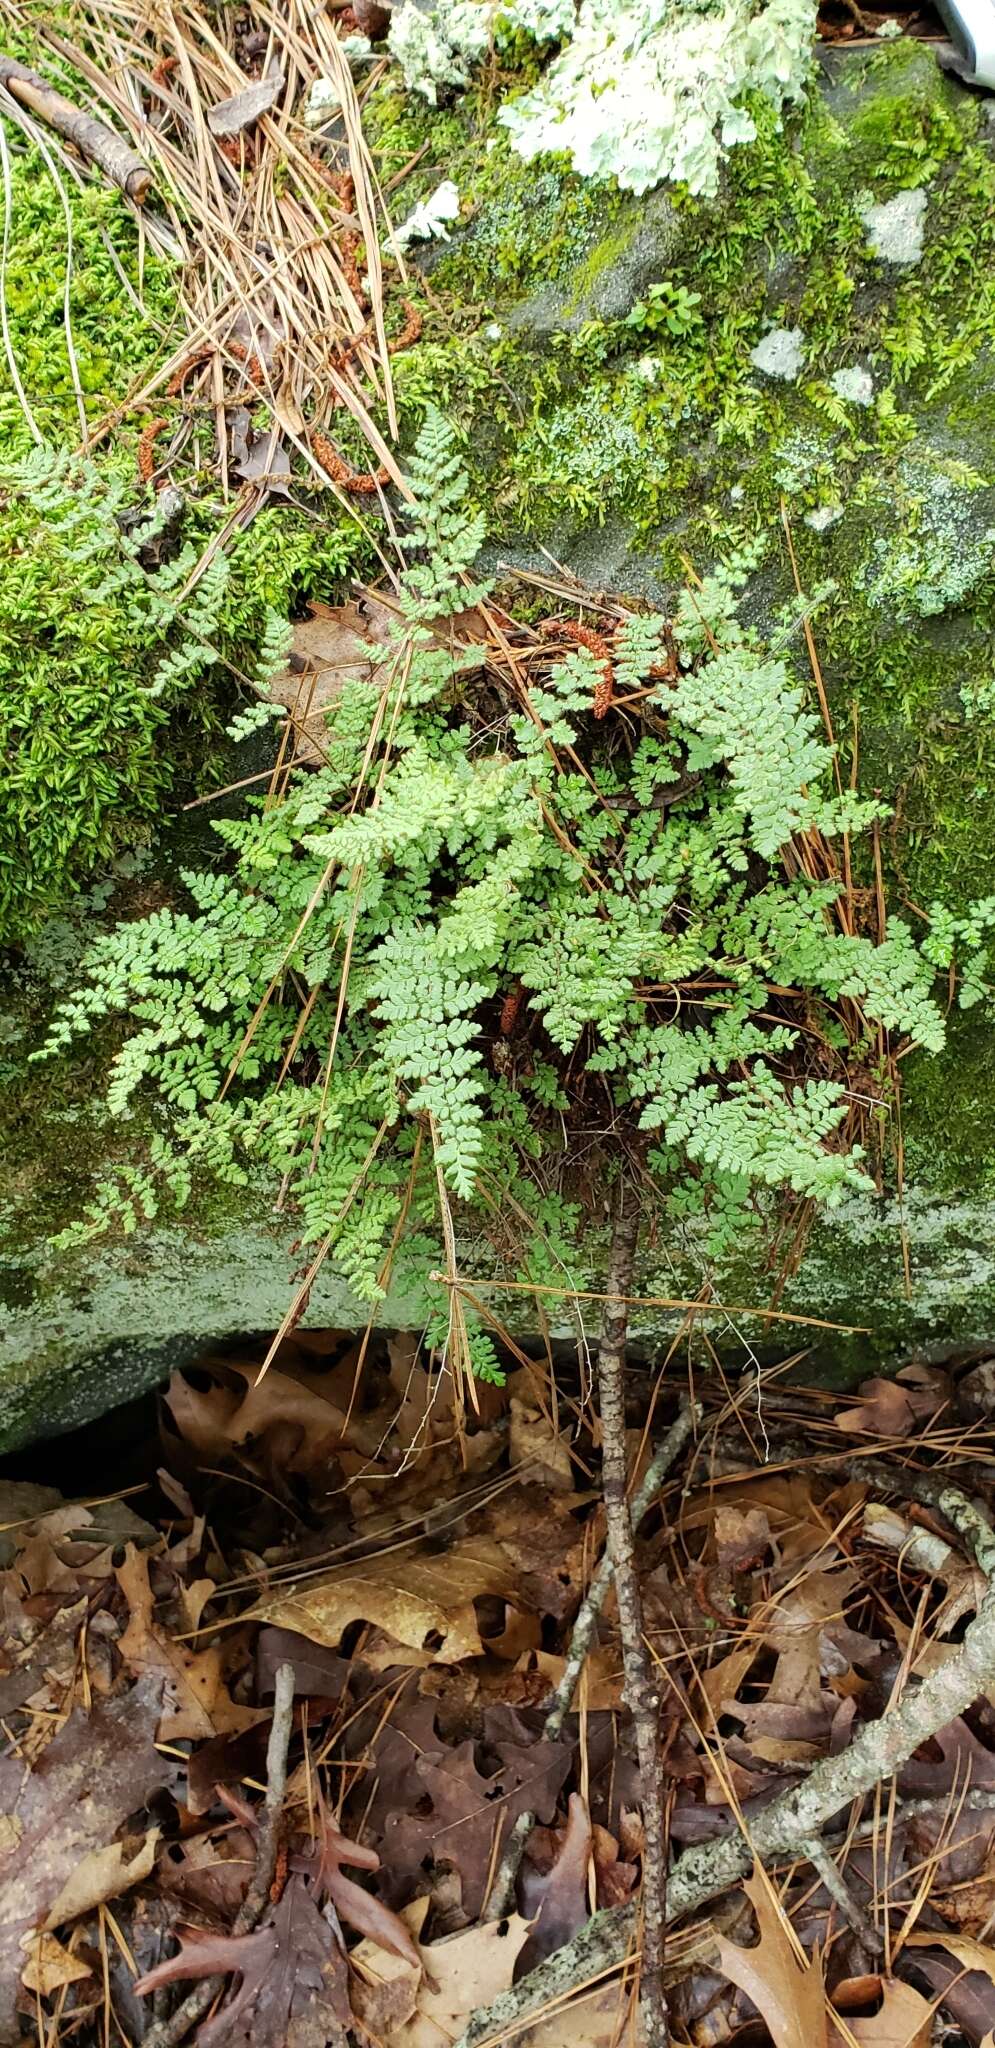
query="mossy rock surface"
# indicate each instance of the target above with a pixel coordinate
(630, 448)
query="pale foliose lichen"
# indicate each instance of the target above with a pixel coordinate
(641, 91)
(438, 45)
(823, 517)
(854, 386)
(780, 354)
(430, 220)
(896, 229)
(655, 89)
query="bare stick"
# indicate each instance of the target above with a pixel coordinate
(168, 2033)
(839, 1891)
(97, 143)
(502, 1894)
(640, 1693)
(797, 1816)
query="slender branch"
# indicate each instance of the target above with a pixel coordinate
(502, 1894)
(797, 1816)
(98, 143)
(640, 1693)
(168, 2033)
(822, 1861)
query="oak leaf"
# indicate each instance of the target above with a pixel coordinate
(50, 1965)
(99, 1769)
(462, 1973)
(904, 2019)
(416, 1595)
(789, 1994)
(893, 1407)
(196, 1701)
(293, 1989)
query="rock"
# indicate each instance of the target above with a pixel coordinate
(863, 235)
(975, 1397)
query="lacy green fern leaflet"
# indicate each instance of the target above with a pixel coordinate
(473, 834)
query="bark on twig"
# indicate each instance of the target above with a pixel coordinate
(797, 1816)
(640, 1693)
(502, 1895)
(168, 2033)
(839, 1891)
(97, 143)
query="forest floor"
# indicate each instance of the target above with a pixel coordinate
(273, 1710)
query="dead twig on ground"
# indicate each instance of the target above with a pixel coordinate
(502, 1894)
(641, 1695)
(96, 142)
(168, 2033)
(797, 1817)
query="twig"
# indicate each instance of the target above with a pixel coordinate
(91, 137)
(640, 1693)
(688, 1416)
(797, 1816)
(168, 2033)
(839, 1891)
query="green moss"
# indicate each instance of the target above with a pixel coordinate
(91, 756)
(118, 316)
(949, 1111)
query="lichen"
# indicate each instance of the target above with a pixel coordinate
(943, 543)
(896, 229)
(653, 90)
(855, 385)
(780, 353)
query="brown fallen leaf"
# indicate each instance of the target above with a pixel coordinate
(208, 1873)
(384, 1988)
(555, 1900)
(794, 1630)
(433, 1801)
(789, 1994)
(971, 1954)
(417, 1596)
(99, 1769)
(358, 1908)
(196, 1701)
(534, 1442)
(224, 1760)
(602, 2018)
(545, 1544)
(346, 643)
(616, 1878)
(294, 1978)
(893, 1407)
(104, 1874)
(462, 1974)
(241, 109)
(50, 1965)
(310, 1410)
(742, 1536)
(966, 1997)
(52, 1655)
(903, 2020)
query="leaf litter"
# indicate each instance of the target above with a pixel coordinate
(424, 1591)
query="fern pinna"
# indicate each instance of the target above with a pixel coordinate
(327, 1012)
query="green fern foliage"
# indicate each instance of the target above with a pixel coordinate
(485, 919)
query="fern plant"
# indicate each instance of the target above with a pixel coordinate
(489, 916)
